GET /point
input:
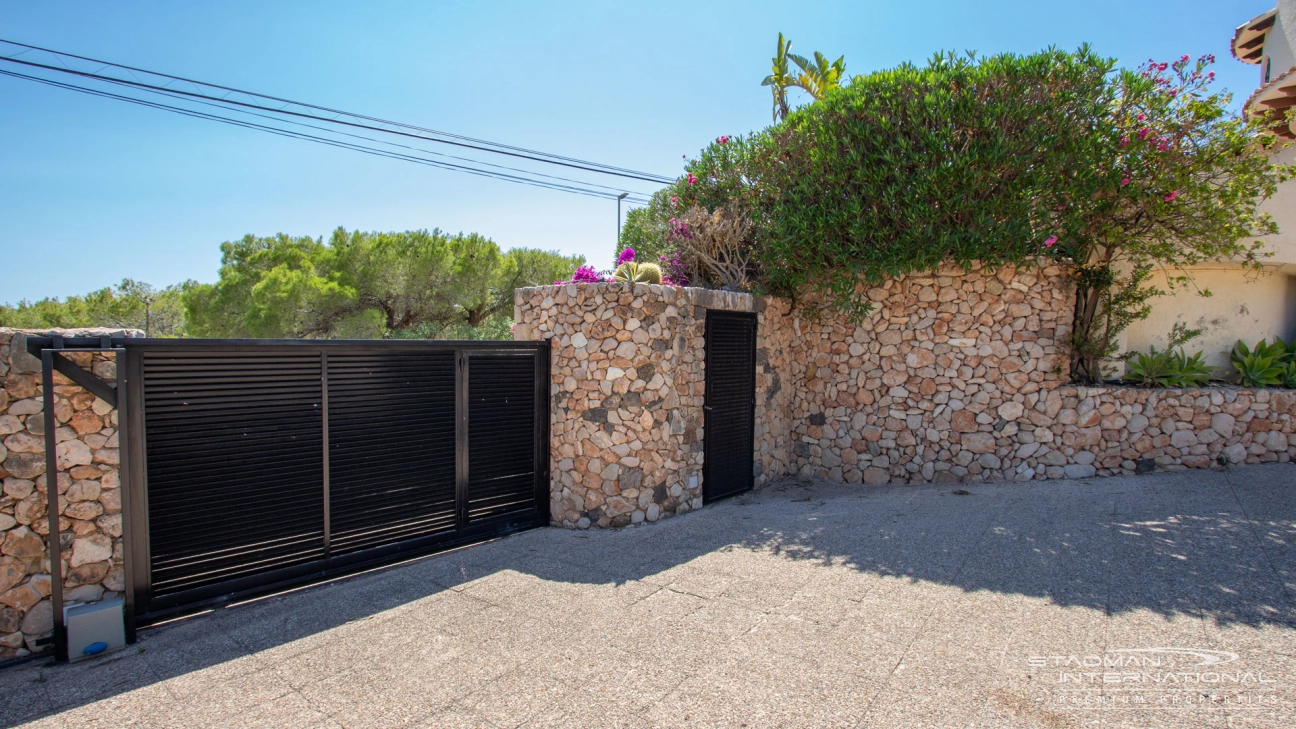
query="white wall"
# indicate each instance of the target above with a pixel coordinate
(1280, 41)
(1243, 305)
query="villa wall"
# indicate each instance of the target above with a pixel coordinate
(87, 481)
(955, 376)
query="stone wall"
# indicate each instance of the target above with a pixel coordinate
(924, 387)
(628, 386)
(955, 376)
(961, 377)
(89, 505)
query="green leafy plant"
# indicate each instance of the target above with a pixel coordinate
(1171, 367)
(1289, 375)
(1268, 364)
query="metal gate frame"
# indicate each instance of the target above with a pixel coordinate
(127, 393)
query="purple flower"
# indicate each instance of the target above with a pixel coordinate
(586, 274)
(626, 256)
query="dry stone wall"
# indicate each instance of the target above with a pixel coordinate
(957, 375)
(926, 386)
(961, 376)
(628, 379)
(90, 521)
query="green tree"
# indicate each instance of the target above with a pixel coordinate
(130, 305)
(780, 78)
(364, 285)
(645, 229)
(819, 77)
(816, 77)
(1169, 178)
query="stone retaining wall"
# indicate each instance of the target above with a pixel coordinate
(956, 376)
(883, 399)
(89, 505)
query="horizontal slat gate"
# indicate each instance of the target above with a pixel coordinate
(234, 466)
(282, 463)
(729, 429)
(391, 447)
(501, 445)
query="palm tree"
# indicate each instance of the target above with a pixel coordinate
(816, 79)
(780, 79)
(820, 77)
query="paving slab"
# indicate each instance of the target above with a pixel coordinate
(1164, 600)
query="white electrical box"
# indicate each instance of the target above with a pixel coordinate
(94, 628)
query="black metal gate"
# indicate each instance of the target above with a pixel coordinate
(729, 431)
(259, 464)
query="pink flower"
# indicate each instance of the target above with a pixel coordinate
(1124, 141)
(692, 179)
(1125, 182)
(1050, 241)
(1141, 117)
(1143, 133)
(1172, 196)
(626, 256)
(586, 274)
(674, 201)
(723, 139)
(1185, 58)
(1211, 75)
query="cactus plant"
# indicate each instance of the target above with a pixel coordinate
(631, 272)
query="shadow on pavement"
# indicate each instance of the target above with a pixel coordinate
(1220, 546)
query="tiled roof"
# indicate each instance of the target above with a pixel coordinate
(1279, 94)
(1248, 39)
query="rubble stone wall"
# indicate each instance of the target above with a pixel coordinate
(90, 520)
(628, 381)
(954, 376)
(963, 376)
(923, 388)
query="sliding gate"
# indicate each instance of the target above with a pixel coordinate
(256, 465)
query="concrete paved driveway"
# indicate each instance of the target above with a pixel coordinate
(1160, 600)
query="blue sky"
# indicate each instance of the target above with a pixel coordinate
(92, 191)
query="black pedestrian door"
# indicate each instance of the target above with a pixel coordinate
(730, 404)
(255, 465)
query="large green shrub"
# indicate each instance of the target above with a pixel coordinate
(1001, 160)
(904, 169)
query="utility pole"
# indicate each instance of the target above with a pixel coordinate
(620, 197)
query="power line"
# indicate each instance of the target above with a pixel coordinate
(468, 142)
(171, 94)
(313, 138)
